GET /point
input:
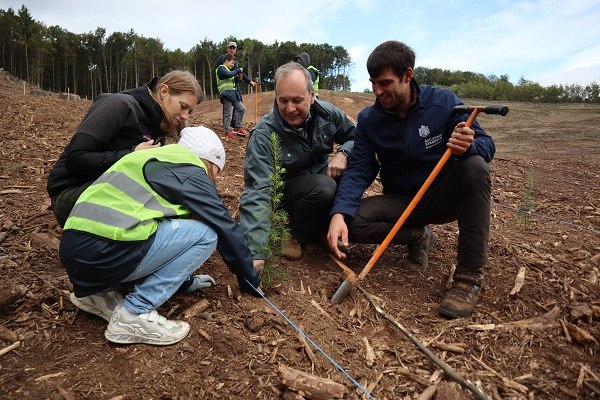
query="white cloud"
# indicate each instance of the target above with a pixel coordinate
(529, 38)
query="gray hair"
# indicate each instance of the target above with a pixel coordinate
(287, 68)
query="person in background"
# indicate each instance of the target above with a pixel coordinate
(307, 130)
(232, 49)
(304, 60)
(233, 108)
(117, 124)
(150, 221)
(403, 136)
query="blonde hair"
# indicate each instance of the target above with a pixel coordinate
(209, 171)
(178, 82)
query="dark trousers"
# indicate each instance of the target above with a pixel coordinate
(63, 203)
(463, 194)
(308, 200)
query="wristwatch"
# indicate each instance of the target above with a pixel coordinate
(344, 152)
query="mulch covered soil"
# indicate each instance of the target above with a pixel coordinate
(534, 335)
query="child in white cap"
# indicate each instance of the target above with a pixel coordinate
(151, 220)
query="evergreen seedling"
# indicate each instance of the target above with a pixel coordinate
(528, 204)
(279, 233)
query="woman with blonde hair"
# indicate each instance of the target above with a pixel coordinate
(117, 124)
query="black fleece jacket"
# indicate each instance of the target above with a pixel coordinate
(114, 124)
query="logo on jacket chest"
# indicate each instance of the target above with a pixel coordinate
(432, 141)
(424, 131)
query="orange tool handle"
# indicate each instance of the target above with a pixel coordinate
(411, 206)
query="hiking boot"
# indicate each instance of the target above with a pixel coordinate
(101, 304)
(291, 249)
(241, 132)
(149, 328)
(461, 298)
(418, 250)
(230, 135)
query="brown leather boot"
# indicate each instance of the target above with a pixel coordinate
(291, 249)
(418, 251)
(461, 298)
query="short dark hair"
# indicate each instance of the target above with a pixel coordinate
(229, 57)
(391, 54)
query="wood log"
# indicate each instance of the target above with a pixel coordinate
(9, 294)
(310, 386)
(289, 395)
(8, 335)
(195, 309)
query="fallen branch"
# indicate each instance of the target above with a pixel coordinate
(445, 367)
(507, 382)
(9, 348)
(307, 349)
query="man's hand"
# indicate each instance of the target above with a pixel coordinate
(338, 230)
(259, 266)
(337, 165)
(461, 139)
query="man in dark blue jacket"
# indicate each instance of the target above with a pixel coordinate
(402, 137)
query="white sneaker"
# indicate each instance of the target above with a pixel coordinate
(101, 304)
(149, 328)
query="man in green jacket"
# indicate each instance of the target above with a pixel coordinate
(307, 130)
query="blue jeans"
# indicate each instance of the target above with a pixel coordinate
(180, 247)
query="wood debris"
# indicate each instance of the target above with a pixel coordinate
(519, 281)
(310, 386)
(369, 353)
(195, 309)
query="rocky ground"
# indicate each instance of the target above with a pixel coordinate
(534, 335)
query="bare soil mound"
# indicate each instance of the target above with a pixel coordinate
(534, 335)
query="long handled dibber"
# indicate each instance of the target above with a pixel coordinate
(352, 281)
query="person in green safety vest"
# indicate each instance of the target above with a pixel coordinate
(149, 222)
(233, 107)
(304, 60)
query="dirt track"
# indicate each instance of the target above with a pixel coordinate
(541, 342)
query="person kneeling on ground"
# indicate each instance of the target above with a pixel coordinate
(403, 136)
(150, 221)
(307, 130)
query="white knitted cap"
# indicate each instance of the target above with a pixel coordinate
(204, 143)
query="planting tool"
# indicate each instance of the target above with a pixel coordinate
(351, 278)
(256, 89)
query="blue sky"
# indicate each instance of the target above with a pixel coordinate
(546, 41)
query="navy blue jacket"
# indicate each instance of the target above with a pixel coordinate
(404, 150)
